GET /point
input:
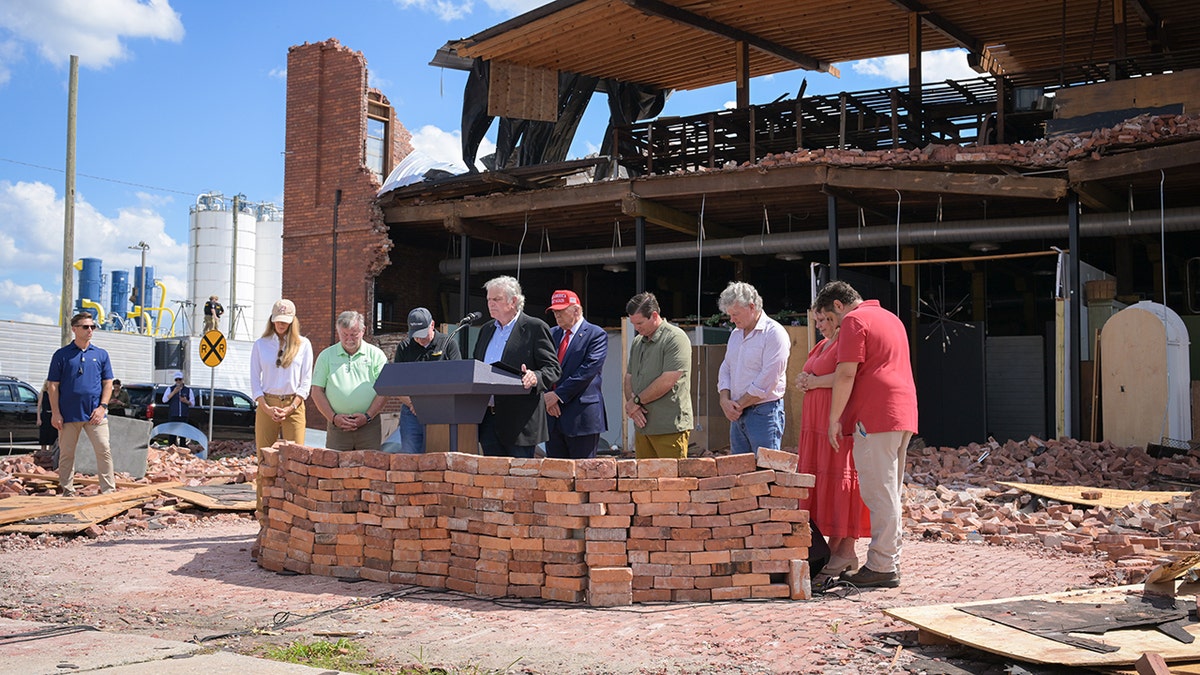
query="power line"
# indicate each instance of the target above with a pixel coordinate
(110, 180)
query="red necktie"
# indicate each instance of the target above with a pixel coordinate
(562, 346)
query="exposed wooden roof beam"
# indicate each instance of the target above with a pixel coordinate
(1099, 198)
(853, 199)
(1156, 29)
(987, 185)
(942, 25)
(1135, 162)
(455, 224)
(683, 16)
(671, 218)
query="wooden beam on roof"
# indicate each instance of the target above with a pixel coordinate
(1135, 162)
(671, 218)
(1099, 198)
(683, 16)
(455, 224)
(1156, 29)
(943, 25)
(850, 197)
(987, 185)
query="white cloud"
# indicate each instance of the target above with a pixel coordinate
(446, 146)
(446, 10)
(947, 64)
(10, 53)
(730, 105)
(94, 30)
(514, 7)
(31, 227)
(278, 73)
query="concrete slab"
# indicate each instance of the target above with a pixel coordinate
(33, 648)
(129, 439)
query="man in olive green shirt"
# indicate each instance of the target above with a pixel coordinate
(343, 387)
(657, 390)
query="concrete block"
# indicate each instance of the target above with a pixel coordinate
(129, 440)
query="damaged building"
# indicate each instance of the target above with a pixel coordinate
(1005, 218)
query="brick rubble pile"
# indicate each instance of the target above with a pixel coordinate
(952, 493)
(1046, 152)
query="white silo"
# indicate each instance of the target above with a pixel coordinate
(268, 256)
(211, 261)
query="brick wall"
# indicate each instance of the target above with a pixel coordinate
(325, 142)
(602, 531)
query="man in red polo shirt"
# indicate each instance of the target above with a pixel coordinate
(875, 399)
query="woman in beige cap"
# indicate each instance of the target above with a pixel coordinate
(280, 377)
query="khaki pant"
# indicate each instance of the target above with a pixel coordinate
(68, 439)
(662, 446)
(879, 458)
(267, 430)
(367, 437)
(210, 322)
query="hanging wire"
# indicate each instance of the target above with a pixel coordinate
(1162, 264)
(521, 246)
(546, 237)
(899, 199)
(700, 261)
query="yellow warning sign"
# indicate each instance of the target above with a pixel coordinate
(212, 348)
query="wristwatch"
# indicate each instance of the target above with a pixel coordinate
(637, 400)
(104, 405)
(368, 416)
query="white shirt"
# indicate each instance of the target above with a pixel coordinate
(268, 378)
(756, 361)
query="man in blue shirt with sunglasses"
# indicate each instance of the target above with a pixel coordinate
(80, 385)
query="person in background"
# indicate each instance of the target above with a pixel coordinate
(834, 503)
(47, 434)
(875, 398)
(212, 314)
(343, 387)
(515, 423)
(752, 378)
(424, 343)
(281, 366)
(179, 399)
(80, 384)
(119, 403)
(575, 406)
(657, 385)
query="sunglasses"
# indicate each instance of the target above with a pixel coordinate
(89, 326)
(279, 358)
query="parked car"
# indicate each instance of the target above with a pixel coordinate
(18, 411)
(233, 411)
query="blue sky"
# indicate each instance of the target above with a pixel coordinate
(180, 97)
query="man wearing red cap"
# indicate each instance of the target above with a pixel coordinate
(575, 406)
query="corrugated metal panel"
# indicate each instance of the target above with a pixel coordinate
(26, 348)
(1016, 387)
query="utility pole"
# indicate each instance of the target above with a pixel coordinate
(142, 285)
(237, 206)
(67, 298)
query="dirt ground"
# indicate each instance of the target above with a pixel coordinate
(197, 581)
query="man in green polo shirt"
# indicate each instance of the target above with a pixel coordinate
(343, 387)
(657, 385)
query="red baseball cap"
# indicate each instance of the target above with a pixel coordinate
(563, 300)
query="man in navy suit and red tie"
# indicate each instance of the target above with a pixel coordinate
(575, 406)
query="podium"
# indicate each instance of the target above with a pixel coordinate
(448, 392)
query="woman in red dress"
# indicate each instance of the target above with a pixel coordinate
(834, 503)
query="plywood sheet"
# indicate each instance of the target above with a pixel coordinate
(949, 622)
(235, 497)
(1134, 386)
(522, 92)
(71, 522)
(16, 509)
(1109, 497)
(1141, 92)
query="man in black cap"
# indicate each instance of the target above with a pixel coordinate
(424, 343)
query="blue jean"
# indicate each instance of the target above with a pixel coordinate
(760, 426)
(412, 433)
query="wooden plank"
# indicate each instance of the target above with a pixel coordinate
(85, 480)
(1182, 87)
(1110, 498)
(47, 506)
(1134, 162)
(670, 218)
(71, 522)
(1134, 387)
(947, 621)
(990, 185)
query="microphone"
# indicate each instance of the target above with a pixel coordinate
(470, 318)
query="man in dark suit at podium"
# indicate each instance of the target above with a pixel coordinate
(576, 404)
(515, 423)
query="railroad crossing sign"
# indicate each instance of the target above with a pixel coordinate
(212, 348)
